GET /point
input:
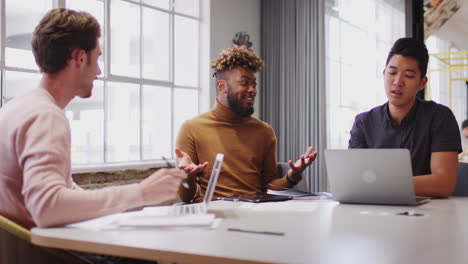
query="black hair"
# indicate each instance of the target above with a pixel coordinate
(410, 47)
(465, 124)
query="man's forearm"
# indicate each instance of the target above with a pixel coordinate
(283, 183)
(433, 186)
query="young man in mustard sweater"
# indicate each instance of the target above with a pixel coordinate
(248, 143)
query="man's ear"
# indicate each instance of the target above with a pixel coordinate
(423, 83)
(78, 56)
(221, 86)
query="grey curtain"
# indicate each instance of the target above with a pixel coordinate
(292, 91)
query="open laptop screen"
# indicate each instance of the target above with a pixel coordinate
(371, 176)
(213, 178)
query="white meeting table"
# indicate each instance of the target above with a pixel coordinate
(327, 233)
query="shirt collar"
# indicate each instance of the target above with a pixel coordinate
(408, 118)
(47, 93)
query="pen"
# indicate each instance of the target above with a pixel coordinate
(256, 232)
(184, 181)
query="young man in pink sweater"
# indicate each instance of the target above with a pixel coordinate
(35, 180)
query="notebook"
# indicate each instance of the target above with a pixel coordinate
(198, 208)
(371, 176)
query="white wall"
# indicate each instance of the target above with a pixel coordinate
(226, 18)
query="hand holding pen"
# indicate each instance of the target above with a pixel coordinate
(169, 165)
(162, 185)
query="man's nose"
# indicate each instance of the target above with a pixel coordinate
(252, 89)
(398, 80)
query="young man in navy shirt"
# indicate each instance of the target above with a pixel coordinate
(427, 129)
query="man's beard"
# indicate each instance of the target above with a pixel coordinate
(236, 106)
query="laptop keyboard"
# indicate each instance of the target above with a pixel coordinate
(185, 209)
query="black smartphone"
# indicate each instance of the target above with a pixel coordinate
(257, 198)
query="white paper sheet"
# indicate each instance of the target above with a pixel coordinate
(142, 219)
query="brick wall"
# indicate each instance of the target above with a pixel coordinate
(102, 179)
(96, 180)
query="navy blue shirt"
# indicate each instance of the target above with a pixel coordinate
(428, 127)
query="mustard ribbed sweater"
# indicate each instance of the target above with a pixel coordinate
(248, 144)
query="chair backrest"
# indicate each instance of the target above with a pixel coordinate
(283, 168)
(14, 229)
(461, 188)
(16, 247)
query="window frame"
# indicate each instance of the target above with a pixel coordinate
(108, 76)
(329, 60)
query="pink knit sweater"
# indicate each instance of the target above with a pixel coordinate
(36, 188)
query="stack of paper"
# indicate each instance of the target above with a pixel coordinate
(168, 221)
(142, 219)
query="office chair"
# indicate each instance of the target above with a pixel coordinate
(16, 247)
(283, 168)
(461, 187)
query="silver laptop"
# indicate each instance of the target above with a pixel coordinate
(371, 176)
(198, 208)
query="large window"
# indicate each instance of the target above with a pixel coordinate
(359, 35)
(150, 74)
(447, 85)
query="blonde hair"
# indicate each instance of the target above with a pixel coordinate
(236, 56)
